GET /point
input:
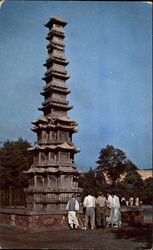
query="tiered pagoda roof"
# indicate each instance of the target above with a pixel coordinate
(49, 122)
(55, 87)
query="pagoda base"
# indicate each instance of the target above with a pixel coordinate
(46, 220)
(33, 220)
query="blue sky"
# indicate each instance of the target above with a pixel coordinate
(109, 48)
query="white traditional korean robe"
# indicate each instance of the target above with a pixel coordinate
(72, 218)
(115, 213)
(109, 205)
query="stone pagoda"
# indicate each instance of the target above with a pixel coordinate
(53, 174)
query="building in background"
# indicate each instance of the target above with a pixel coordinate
(144, 173)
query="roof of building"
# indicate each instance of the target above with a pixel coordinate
(145, 173)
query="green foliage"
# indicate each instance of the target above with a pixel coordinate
(101, 182)
(121, 190)
(88, 183)
(112, 161)
(130, 166)
(148, 191)
(91, 183)
(134, 184)
(14, 159)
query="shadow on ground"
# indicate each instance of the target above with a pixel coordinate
(127, 238)
(137, 234)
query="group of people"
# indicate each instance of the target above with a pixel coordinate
(100, 212)
(131, 202)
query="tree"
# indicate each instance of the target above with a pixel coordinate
(101, 182)
(134, 184)
(112, 161)
(130, 166)
(121, 190)
(14, 159)
(89, 183)
(148, 188)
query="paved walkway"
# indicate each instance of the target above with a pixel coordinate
(110, 239)
(127, 238)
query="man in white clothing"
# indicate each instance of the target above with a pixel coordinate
(115, 208)
(73, 207)
(89, 203)
(109, 205)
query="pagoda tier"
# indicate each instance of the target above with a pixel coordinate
(46, 124)
(56, 106)
(53, 174)
(59, 86)
(57, 74)
(55, 58)
(56, 89)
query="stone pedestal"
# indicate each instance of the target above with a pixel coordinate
(33, 220)
(46, 220)
(132, 215)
